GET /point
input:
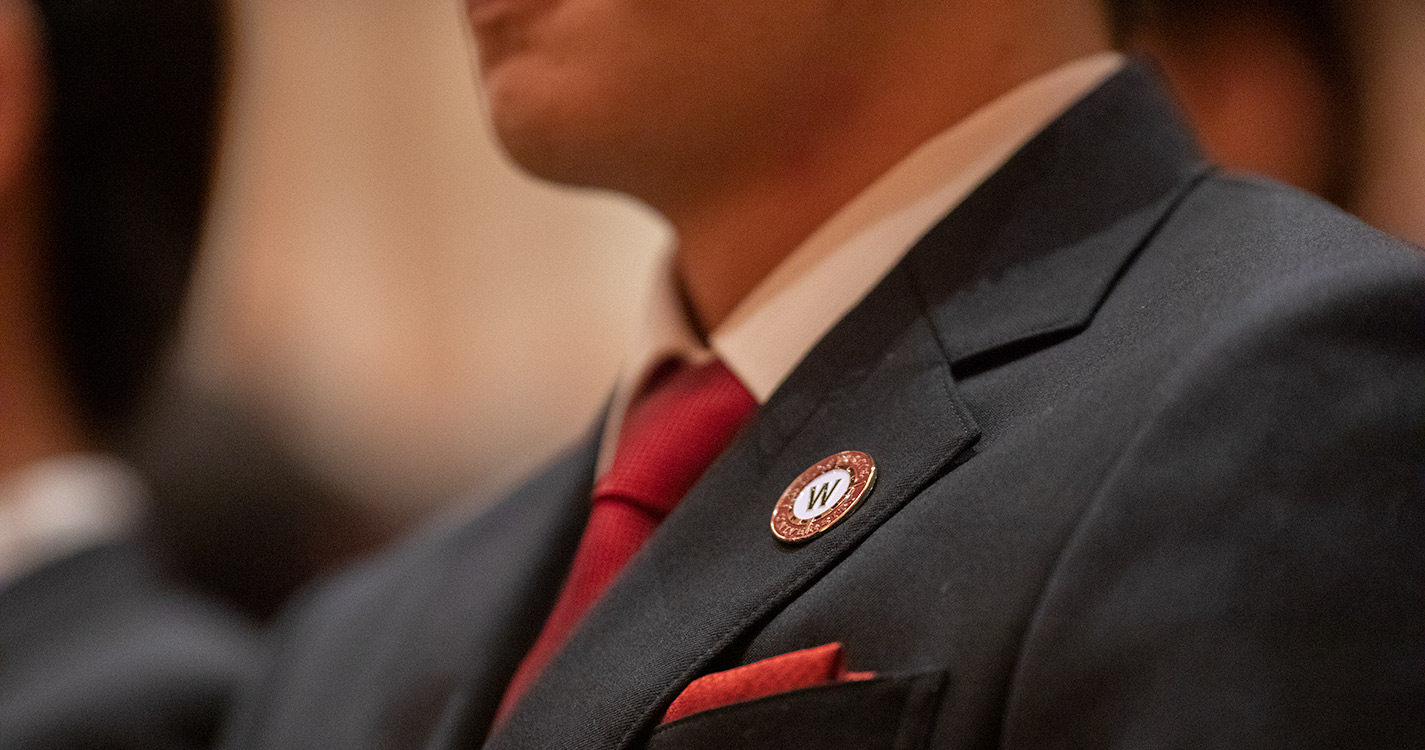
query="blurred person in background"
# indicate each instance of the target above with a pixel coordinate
(108, 115)
(233, 508)
(975, 408)
(1328, 96)
(1388, 37)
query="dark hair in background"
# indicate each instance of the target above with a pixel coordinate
(132, 119)
(1319, 27)
(1319, 23)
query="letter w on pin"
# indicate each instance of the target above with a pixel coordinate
(821, 493)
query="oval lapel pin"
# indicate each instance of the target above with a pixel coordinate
(823, 495)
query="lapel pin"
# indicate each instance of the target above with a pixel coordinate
(823, 495)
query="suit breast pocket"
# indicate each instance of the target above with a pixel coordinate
(891, 712)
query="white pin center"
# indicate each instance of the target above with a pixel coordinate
(822, 494)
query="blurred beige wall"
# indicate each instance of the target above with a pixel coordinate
(417, 316)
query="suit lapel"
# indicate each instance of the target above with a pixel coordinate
(1006, 270)
(1032, 253)
(510, 568)
(714, 568)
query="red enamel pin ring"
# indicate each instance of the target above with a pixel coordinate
(823, 496)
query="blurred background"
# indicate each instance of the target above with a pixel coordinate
(388, 322)
(417, 318)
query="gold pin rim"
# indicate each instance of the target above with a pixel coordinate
(787, 527)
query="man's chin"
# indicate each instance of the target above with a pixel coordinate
(545, 157)
(545, 151)
(554, 143)
(522, 129)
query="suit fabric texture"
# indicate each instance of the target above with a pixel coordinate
(99, 651)
(1150, 443)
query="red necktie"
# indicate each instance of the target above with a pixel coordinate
(684, 418)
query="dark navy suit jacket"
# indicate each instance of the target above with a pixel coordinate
(1151, 453)
(102, 651)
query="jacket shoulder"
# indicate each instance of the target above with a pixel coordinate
(1273, 230)
(1258, 532)
(378, 649)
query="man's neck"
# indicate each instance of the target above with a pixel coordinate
(730, 239)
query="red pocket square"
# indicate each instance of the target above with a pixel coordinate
(809, 667)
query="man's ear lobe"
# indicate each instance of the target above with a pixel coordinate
(22, 93)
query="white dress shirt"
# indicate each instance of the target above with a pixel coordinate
(53, 508)
(790, 310)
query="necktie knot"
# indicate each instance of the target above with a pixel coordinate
(670, 435)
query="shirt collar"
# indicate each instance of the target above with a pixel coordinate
(55, 507)
(774, 327)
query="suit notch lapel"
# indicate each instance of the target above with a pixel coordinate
(1036, 249)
